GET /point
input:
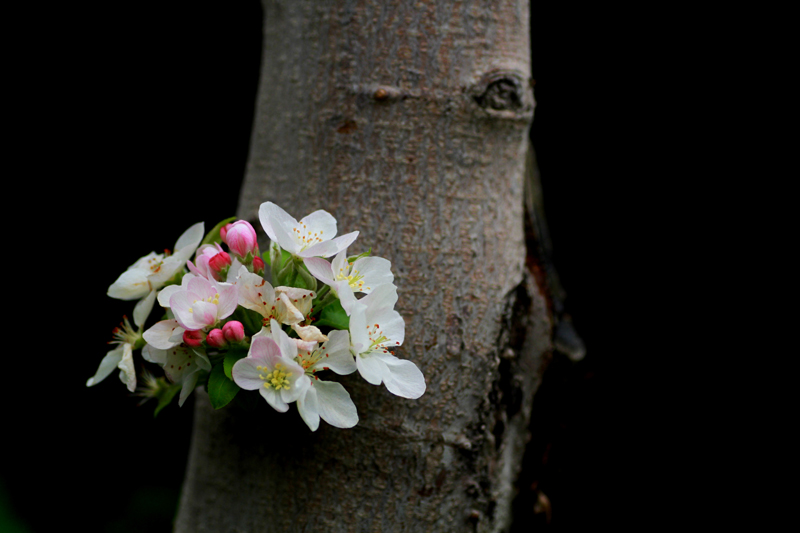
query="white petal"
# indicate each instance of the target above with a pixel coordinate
(320, 221)
(270, 214)
(309, 333)
(246, 375)
(339, 359)
(131, 285)
(371, 368)
(107, 365)
(188, 387)
(127, 372)
(274, 399)
(335, 406)
(320, 269)
(162, 334)
(154, 355)
(404, 378)
(308, 408)
(377, 271)
(143, 308)
(329, 248)
(358, 329)
(191, 237)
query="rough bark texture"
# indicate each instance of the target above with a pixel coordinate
(407, 121)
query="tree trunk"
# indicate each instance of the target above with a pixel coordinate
(408, 121)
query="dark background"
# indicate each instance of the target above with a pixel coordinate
(145, 130)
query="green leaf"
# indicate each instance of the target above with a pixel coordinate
(334, 316)
(166, 397)
(213, 235)
(230, 359)
(353, 258)
(221, 390)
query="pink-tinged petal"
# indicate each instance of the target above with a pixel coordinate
(143, 308)
(286, 346)
(404, 378)
(204, 314)
(107, 365)
(166, 293)
(339, 359)
(164, 335)
(335, 405)
(320, 269)
(246, 375)
(308, 407)
(274, 399)
(320, 222)
(371, 368)
(203, 288)
(228, 300)
(329, 248)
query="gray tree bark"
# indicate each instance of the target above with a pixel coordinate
(408, 121)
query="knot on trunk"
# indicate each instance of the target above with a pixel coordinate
(504, 94)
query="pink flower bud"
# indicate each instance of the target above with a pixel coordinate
(219, 262)
(241, 238)
(258, 265)
(233, 331)
(223, 231)
(216, 339)
(193, 338)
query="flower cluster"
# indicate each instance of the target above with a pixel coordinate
(283, 323)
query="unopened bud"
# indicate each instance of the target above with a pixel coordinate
(258, 266)
(223, 232)
(241, 238)
(193, 338)
(220, 262)
(233, 331)
(216, 339)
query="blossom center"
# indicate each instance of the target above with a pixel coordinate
(305, 237)
(376, 338)
(277, 379)
(354, 278)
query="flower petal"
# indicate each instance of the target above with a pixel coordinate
(329, 248)
(127, 372)
(371, 368)
(335, 405)
(339, 359)
(107, 365)
(404, 378)
(143, 308)
(308, 407)
(162, 335)
(130, 285)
